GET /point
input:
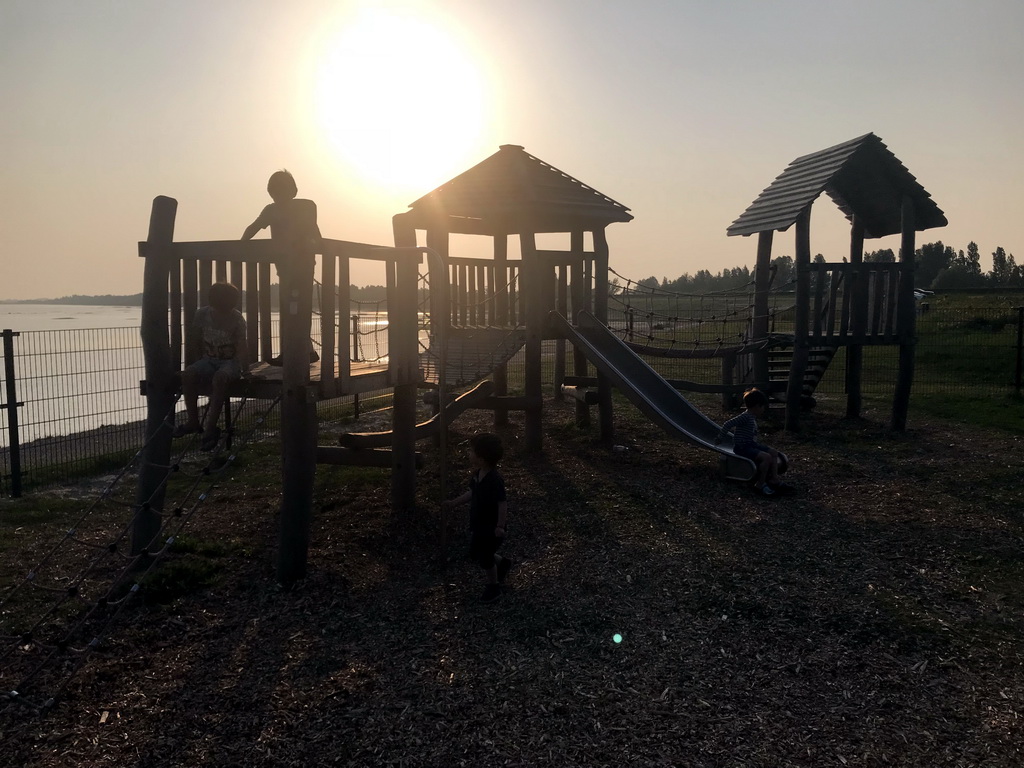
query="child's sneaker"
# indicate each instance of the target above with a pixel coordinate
(503, 568)
(765, 490)
(491, 593)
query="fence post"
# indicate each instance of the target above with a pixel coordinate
(1020, 349)
(14, 451)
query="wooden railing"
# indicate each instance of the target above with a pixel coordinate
(856, 304)
(192, 267)
(491, 293)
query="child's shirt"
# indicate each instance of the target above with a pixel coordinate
(743, 428)
(486, 493)
(223, 336)
(291, 221)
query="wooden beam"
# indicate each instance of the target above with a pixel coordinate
(160, 376)
(907, 318)
(798, 366)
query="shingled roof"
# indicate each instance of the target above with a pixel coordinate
(861, 176)
(513, 191)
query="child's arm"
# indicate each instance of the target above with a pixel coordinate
(458, 501)
(502, 518)
(261, 222)
(726, 429)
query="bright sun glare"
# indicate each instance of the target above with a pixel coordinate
(400, 101)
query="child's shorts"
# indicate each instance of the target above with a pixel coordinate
(206, 367)
(750, 450)
(482, 548)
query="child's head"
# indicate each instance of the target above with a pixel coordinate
(281, 186)
(223, 296)
(754, 398)
(487, 447)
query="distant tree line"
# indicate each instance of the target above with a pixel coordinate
(938, 266)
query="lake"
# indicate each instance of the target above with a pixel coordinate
(60, 317)
(78, 367)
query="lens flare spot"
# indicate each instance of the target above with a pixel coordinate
(617, 637)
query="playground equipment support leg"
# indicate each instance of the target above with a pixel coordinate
(160, 379)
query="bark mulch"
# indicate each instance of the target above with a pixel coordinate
(872, 619)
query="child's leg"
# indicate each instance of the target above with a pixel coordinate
(190, 393)
(763, 468)
(773, 467)
(218, 394)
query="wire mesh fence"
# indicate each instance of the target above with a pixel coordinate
(81, 410)
(71, 403)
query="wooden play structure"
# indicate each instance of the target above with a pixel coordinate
(848, 304)
(479, 312)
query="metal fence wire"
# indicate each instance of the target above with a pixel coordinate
(81, 407)
(71, 402)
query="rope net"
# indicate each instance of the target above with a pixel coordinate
(473, 351)
(62, 609)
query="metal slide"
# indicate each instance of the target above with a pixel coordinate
(648, 391)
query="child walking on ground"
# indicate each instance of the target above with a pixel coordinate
(488, 512)
(219, 330)
(769, 461)
(293, 222)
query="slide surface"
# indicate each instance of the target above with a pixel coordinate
(648, 391)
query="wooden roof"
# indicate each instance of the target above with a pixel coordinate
(861, 176)
(512, 191)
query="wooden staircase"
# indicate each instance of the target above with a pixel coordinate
(780, 360)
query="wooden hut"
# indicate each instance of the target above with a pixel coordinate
(513, 193)
(880, 197)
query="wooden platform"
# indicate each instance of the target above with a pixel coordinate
(265, 380)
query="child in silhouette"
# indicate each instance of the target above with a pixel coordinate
(769, 461)
(219, 330)
(488, 512)
(293, 222)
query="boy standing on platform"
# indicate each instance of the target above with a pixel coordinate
(293, 222)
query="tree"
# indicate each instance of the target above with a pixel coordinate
(784, 270)
(885, 256)
(1004, 268)
(819, 259)
(932, 258)
(649, 282)
(959, 275)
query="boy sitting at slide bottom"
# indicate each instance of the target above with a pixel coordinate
(770, 462)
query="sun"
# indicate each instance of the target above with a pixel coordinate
(400, 100)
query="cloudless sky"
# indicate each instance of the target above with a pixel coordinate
(682, 110)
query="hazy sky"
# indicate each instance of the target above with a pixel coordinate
(682, 110)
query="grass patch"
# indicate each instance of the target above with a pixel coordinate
(178, 578)
(1002, 412)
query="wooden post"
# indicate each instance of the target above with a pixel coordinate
(298, 417)
(759, 323)
(798, 367)
(161, 379)
(501, 311)
(906, 319)
(857, 289)
(535, 321)
(577, 295)
(404, 365)
(604, 385)
(562, 305)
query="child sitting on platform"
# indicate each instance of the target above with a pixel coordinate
(488, 512)
(219, 330)
(770, 462)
